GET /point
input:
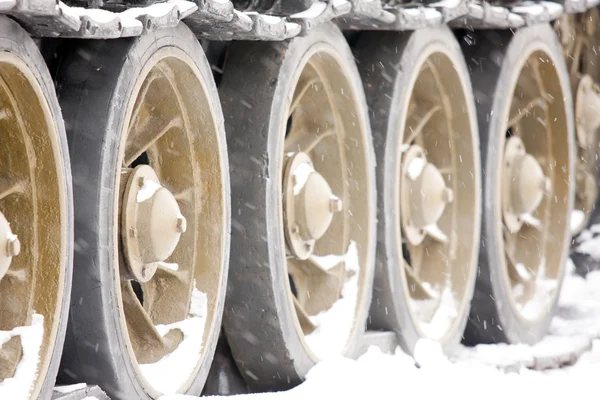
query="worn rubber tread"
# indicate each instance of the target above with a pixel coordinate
(490, 55)
(95, 82)
(386, 63)
(258, 319)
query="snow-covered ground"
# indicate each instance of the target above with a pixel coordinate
(480, 372)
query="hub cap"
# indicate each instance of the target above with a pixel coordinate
(424, 197)
(524, 184)
(309, 205)
(153, 223)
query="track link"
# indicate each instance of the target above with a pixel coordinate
(218, 20)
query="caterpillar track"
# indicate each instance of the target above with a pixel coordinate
(280, 177)
(220, 20)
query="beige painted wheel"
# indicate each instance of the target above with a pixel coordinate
(304, 191)
(429, 183)
(172, 220)
(531, 217)
(154, 213)
(321, 203)
(580, 39)
(35, 221)
(439, 191)
(526, 117)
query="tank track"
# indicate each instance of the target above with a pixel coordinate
(219, 20)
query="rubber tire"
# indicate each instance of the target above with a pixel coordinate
(258, 320)
(96, 79)
(584, 262)
(386, 63)
(492, 319)
(17, 41)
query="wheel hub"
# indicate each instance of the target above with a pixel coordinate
(10, 246)
(309, 205)
(524, 183)
(152, 223)
(424, 194)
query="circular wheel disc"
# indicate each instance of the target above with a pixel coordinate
(164, 214)
(579, 37)
(35, 220)
(428, 183)
(528, 149)
(303, 189)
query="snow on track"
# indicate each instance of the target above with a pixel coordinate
(475, 373)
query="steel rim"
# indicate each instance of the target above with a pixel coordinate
(324, 200)
(534, 207)
(33, 225)
(438, 190)
(171, 222)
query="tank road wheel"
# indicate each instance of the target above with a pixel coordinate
(525, 116)
(303, 199)
(152, 212)
(428, 181)
(580, 37)
(35, 221)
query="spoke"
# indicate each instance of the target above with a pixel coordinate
(525, 111)
(447, 169)
(185, 194)
(518, 272)
(519, 264)
(418, 290)
(330, 265)
(532, 221)
(529, 291)
(152, 77)
(148, 345)
(300, 141)
(436, 233)
(539, 79)
(170, 271)
(152, 130)
(417, 131)
(152, 118)
(579, 43)
(305, 322)
(316, 286)
(162, 301)
(528, 84)
(17, 274)
(7, 187)
(299, 94)
(11, 352)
